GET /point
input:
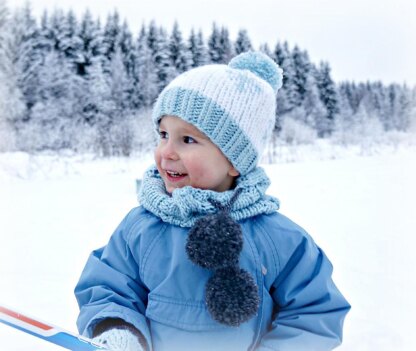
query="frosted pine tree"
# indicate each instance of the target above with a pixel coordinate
(152, 37)
(375, 100)
(404, 109)
(301, 125)
(127, 54)
(26, 55)
(315, 111)
(347, 90)
(357, 93)
(180, 56)
(136, 52)
(328, 93)
(127, 49)
(111, 38)
(62, 34)
(280, 54)
(161, 58)
(227, 48)
(214, 45)
(59, 30)
(46, 40)
(146, 79)
(220, 47)
(111, 34)
(146, 91)
(243, 42)
(120, 86)
(302, 67)
(198, 49)
(366, 128)
(53, 117)
(343, 121)
(394, 107)
(12, 107)
(288, 97)
(356, 127)
(92, 48)
(119, 83)
(99, 108)
(71, 42)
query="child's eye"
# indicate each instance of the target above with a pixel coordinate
(163, 135)
(188, 140)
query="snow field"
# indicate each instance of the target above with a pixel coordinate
(360, 210)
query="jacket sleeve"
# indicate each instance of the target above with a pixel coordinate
(310, 309)
(110, 286)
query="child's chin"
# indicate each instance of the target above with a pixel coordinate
(170, 188)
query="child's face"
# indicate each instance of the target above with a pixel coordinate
(185, 156)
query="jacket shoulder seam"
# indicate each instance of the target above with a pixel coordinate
(146, 254)
(275, 253)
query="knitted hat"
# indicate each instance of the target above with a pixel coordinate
(234, 105)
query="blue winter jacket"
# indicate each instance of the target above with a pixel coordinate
(144, 277)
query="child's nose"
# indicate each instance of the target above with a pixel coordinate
(169, 151)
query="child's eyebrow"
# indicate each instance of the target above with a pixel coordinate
(195, 131)
(188, 129)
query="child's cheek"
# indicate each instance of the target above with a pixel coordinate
(197, 172)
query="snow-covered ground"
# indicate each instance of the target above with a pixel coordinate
(360, 209)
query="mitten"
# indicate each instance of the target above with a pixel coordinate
(119, 340)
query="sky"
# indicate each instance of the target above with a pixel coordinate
(361, 39)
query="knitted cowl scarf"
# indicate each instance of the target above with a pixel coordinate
(215, 239)
(186, 205)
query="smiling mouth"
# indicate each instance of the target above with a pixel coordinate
(175, 176)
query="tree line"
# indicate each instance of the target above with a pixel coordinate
(75, 83)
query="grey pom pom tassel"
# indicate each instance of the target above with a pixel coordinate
(215, 242)
(232, 296)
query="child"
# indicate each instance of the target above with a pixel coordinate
(206, 262)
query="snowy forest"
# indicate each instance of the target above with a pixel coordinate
(79, 85)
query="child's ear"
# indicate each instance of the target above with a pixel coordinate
(233, 172)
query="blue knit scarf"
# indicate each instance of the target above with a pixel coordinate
(185, 205)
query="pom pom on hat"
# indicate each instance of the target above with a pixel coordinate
(261, 65)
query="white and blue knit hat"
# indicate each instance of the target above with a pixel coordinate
(234, 105)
